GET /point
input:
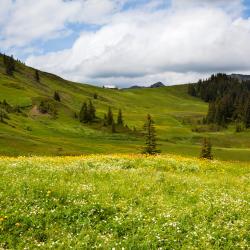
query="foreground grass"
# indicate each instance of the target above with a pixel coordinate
(123, 202)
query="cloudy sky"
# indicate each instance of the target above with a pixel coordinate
(127, 42)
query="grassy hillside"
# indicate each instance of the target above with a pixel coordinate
(123, 202)
(173, 110)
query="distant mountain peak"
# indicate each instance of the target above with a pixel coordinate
(157, 85)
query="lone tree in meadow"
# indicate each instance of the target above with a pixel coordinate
(57, 96)
(150, 137)
(206, 151)
(120, 118)
(37, 77)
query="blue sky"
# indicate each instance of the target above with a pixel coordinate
(127, 42)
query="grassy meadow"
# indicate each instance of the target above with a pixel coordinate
(123, 202)
(176, 115)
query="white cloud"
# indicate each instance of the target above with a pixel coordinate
(172, 45)
(23, 21)
(181, 43)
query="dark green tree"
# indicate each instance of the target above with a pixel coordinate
(91, 111)
(150, 137)
(120, 118)
(84, 115)
(9, 65)
(37, 77)
(57, 96)
(110, 118)
(206, 150)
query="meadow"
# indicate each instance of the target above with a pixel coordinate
(123, 201)
(175, 113)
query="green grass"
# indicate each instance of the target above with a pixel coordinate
(123, 202)
(169, 106)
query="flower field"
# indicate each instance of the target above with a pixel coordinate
(123, 202)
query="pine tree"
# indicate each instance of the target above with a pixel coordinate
(120, 118)
(91, 111)
(83, 115)
(247, 119)
(206, 151)
(37, 77)
(150, 137)
(110, 118)
(10, 65)
(57, 96)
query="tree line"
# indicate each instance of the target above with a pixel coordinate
(229, 99)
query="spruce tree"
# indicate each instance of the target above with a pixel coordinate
(83, 115)
(247, 116)
(37, 77)
(57, 96)
(110, 118)
(91, 111)
(206, 151)
(150, 137)
(10, 65)
(120, 118)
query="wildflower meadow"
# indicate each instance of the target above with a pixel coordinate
(123, 202)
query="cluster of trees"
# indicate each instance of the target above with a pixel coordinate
(9, 63)
(109, 120)
(87, 113)
(229, 99)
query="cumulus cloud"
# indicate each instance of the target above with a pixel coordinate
(150, 41)
(23, 21)
(173, 45)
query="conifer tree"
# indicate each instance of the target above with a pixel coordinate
(248, 116)
(206, 151)
(57, 96)
(110, 118)
(91, 111)
(120, 118)
(10, 65)
(37, 76)
(150, 137)
(83, 115)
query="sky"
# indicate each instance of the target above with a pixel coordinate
(128, 42)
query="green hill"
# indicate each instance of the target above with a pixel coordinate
(176, 115)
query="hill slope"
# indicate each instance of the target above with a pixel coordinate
(174, 112)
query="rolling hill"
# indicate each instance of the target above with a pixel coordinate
(176, 115)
